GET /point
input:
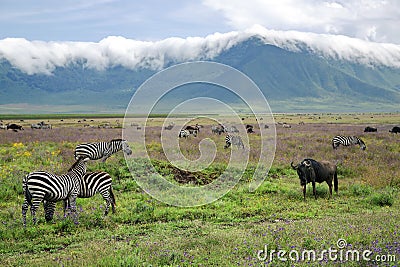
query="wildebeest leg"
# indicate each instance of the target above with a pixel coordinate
(314, 190)
(304, 191)
(329, 182)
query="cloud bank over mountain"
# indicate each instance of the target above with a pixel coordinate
(39, 57)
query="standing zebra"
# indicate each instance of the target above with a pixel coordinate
(102, 150)
(90, 184)
(347, 141)
(39, 186)
(233, 140)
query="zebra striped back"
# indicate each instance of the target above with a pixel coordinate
(233, 140)
(90, 184)
(101, 150)
(347, 141)
(39, 186)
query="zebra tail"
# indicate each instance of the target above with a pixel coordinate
(336, 182)
(28, 195)
(112, 196)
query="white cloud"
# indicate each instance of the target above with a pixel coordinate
(43, 57)
(353, 18)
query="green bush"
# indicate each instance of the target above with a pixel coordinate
(382, 199)
(360, 190)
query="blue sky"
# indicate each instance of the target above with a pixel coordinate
(94, 20)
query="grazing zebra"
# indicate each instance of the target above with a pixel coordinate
(102, 150)
(186, 133)
(233, 140)
(347, 141)
(39, 186)
(90, 184)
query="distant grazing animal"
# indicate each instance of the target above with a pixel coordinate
(14, 127)
(395, 129)
(3, 127)
(39, 186)
(369, 129)
(36, 126)
(170, 126)
(286, 126)
(186, 133)
(102, 150)
(249, 128)
(233, 129)
(90, 184)
(183, 133)
(193, 128)
(218, 129)
(310, 170)
(233, 140)
(347, 141)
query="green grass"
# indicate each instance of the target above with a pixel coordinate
(227, 232)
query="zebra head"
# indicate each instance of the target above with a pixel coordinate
(362, 144)
(125, 148)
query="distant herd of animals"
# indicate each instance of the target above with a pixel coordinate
(49, 188)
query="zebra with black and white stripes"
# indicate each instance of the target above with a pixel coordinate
(186, 133)
(347, 141)
(102, 150)
(90, 184)
(233, 140)
(41, 186)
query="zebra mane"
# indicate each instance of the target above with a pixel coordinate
(75, 163)
(117, 140)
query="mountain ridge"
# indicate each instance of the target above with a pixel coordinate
(291, 79)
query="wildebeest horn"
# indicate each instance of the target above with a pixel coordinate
(307, 163)
(294, 167)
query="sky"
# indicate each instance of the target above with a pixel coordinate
(152, 20)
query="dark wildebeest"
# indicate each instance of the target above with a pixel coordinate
(369, 129)
(249, 128)
(395, 129)
(191, 128)
(14, 127)
(310, 170)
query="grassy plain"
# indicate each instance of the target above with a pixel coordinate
(227, 232)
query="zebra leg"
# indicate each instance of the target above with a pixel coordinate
(72, 201)
(49, 208)
(34, 207)
(112, 200)
(66, 204)
(25, 206)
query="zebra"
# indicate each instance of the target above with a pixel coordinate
(186, 133)
(218, 130)
(39, 186)
(102, 150)
(90, 184)
(347, 141)
(233, 140)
